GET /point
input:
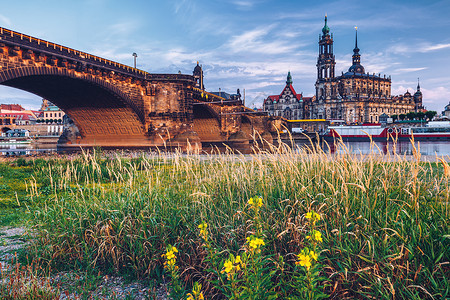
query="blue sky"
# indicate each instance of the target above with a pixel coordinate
(249, 44)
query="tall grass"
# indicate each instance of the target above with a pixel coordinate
(385, 218)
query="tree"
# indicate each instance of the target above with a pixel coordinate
(402, 116)
(411, 115)
(430, 114)
(420, 115)
(394, 118)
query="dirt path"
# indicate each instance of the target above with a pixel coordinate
(11, 240)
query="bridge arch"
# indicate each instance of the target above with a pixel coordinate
(68, 89)
(101, 111)
(206, 123)
(247, 126)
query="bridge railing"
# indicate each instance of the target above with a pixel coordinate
(7, 35)
(207, 97)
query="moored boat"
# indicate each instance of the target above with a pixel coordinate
(15, 137)
(431, 131)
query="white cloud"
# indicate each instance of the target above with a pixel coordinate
(9, 95)
(408, 70)
(436, 98)
(244, 4)
(124, 27)
(5, 20)
(258, 41)
(433, 99)
(423, 47)
(429, 48)
(179, 5)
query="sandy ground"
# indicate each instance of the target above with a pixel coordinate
(15, 238)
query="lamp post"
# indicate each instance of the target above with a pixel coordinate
(134, 55)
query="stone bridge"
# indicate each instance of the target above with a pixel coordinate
(117, 106)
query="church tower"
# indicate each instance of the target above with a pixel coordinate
(325, 64)
(356, 58)
(418, 98)
(198, 77)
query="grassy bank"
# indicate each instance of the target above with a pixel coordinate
(384, 222)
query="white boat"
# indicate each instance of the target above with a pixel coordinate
(433, 131)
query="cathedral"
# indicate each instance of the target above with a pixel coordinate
(355, 96)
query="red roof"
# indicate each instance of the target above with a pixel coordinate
(277, 97)
(298, 96)
(38, 113)
(17, 107)
(18, 116)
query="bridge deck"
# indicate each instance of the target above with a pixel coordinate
(14, 38)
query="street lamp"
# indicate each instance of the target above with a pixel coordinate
(134, 55)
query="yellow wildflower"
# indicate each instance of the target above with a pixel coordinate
(316, 236)
(196, 292)
(304, 261)
(313, 255)
(170, 255)
(313, 216)
(171, 262)
(203, 231)
(256, 203)
(254, 242)
(238, 259)
(228, 266)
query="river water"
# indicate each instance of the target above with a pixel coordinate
(439, 148)
(21, 150)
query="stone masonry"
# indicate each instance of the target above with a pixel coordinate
(114, 105)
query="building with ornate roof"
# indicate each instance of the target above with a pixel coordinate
(446, 112)
(355, 96)
(288, 104)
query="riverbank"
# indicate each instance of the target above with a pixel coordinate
(384, 223)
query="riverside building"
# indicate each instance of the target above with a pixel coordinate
(288, 104)
(355, 96)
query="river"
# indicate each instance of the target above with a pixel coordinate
(439, 148)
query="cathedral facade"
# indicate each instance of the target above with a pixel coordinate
(355, 96)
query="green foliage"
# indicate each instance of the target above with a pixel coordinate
(411, 115)
(386, 225)
(430, 114)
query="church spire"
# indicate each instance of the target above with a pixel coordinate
(418, 85)
(356, 58)
(325, 29)
(289, 79)
(356, 50)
